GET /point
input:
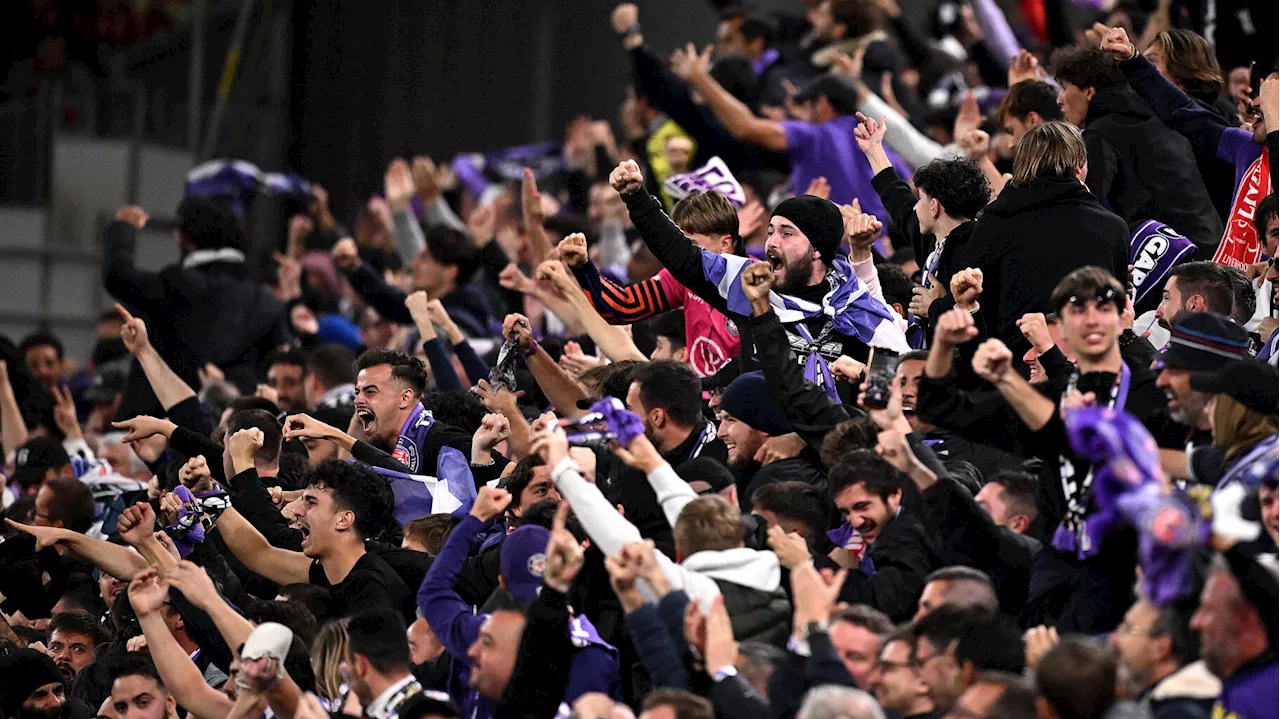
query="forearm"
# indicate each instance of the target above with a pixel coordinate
(250, 547)
(408, 235)
(118, 561)
(472, 363)
(556, 384)
(601, 521)
(13, 430)
(938, 365)
(673, 492)
(1034, 409)
(518, 440)
(996, 33)
(170, 389)
(438, 212)
(179, 673)
(234, 628)
(155, 553)
(878, 158)
(736, 117)
(615, 343)
(441, 362)
(912, 145)
(994, 178)
(283, 697)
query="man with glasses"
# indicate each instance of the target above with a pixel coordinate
(1159, 659)
(896, 680)
(954, 645)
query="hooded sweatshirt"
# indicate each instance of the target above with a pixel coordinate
(1143, 170)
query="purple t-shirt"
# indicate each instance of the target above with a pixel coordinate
(1250, 694)
(829, 150)
(1237, 147)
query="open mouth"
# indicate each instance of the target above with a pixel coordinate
(774, 260)
(67, 671)
(306, 532)
(367, 420)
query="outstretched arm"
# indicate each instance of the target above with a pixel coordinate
(13, 429)
(170, 389)
(737, 117)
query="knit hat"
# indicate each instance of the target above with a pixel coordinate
(747, 399)
(23, 671)
(1204, 342)
(820, 221)
(524, 560)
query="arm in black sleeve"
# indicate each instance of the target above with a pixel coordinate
(253, 502)
(825, 665)
(190, 444)
(735, 698)
(810, 411)
(1258, 586)
(374, 457)
(900, 202)
(441, 361)
(669, 94)
(1136, 350)
(672, 247)
(200, 627)
(1055, 364)
(542, 664)
(191, 414)
(387, 300)
(123, 281)
(665, 666)
(622, 304)
(472, 362)
(1203, 129)
(980, 416)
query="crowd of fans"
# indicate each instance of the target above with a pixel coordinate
(865, 373)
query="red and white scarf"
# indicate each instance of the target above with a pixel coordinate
(1241, 246)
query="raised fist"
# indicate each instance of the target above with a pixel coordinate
(573, 250)
(134, 215)
(624, 17)
(757, 281)
(626, 177)
(966, 287)
(346, 256)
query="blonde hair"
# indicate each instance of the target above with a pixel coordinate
(1236, 428)
(1050, 149)
(707, 524)
(328, 651)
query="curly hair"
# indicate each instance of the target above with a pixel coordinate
(957, 184)
(1085, 66)
(846, 437)
(356, 488)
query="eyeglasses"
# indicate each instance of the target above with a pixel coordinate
(887, 666)
(1130, 630)
(1104, 295)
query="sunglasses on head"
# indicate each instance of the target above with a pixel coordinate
(1104, 295)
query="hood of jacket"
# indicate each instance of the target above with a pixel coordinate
(1194, 681)
(748, 567)
(1118, 102)
(1038, 194)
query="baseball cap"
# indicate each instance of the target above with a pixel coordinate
(1251, 382)
(36, 457)
(108, 382)
(1204, 342)
(524, 560)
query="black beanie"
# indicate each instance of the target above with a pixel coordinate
(820, 220)
(23, 671)
(748, 400)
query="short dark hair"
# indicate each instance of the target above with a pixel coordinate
(131, 664)
(289, 613)
(993, 643)
(272, 432)
(1244, 297)
(1027, 97)
(357, 488)
(83, 595)
(207, 225)
(754, 26)
(957, 184)
(453, 247)
(844, 438)
(41, 338)
(285, 355)
(1174, 621)
(1019, 490)
(1266, 212)
(1086, 281)
(380, 636)
(672, 387)
(1078, 678)
(894, 284)
(1085, 66)
(858, 16)
(797, 501)
(1018, 700)
(869, 618)
(332, 364)
(617, 381)
(1210, 280)
(670, 325)
(77, 622)
(458, 407)
(865, 467)
(947, 624)
(914, 356)
(431, 531)
(317, 600)
(521, 476)
(254, 402)
(686, 705)
(72, 503)
(404, 367)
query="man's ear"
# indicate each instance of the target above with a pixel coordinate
(726, 244)
(681, 355)
(1089, 93)
(1034, 119)
(346, 520)
(407, 398)
(897, 307)
(1196, 303)
(1043, 710)
(1020, 523)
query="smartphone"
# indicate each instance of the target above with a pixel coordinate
(882, 367)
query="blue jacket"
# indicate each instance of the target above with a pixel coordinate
(594, 668)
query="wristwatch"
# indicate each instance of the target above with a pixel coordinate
(813, 628)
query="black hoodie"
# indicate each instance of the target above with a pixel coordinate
(1031, 237)
(1143, 170)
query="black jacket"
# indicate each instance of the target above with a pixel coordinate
(212, 312)
(1143, 170)
(793, 469)
(1031, 237)
(903, 555)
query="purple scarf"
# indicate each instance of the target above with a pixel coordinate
(187, 532)
(1127, 491)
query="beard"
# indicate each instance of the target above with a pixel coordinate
(60, 713)
(796, 273)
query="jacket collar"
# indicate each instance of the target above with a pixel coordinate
(1194, 681)
(208, 257)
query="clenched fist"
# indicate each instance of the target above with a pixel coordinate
(626, 177)
(757, 280)
(573, 250)
(966, 287)
(346, 256)
(992, 361)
